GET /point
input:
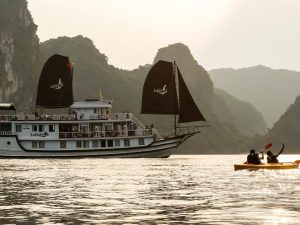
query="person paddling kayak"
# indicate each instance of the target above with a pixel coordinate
(253, 157)
(272, 158)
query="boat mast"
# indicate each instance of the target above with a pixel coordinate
(176, 84)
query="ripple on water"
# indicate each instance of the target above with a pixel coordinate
(183, 189)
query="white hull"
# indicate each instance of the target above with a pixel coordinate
(157, 149)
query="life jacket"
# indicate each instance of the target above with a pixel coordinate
(272, 159)
(253, 159)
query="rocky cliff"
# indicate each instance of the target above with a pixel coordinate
(287, 129)
(245, 117)
(19, 54)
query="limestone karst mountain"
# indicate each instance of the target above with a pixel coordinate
(19, 54)
(287, 129)
(270, 91)
(22, 57)
(92, 72)
(245, 117)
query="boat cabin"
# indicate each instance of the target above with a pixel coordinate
(90, 124)
(92, 109)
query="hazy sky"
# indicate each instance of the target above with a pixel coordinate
(220, 33)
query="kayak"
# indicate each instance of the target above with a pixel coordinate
(272, 166)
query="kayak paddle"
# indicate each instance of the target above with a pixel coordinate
(267, 146)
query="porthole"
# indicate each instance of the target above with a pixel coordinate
(8, 143)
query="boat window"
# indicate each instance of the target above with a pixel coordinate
(126, 142)
(95, 144)
(34, 127)
(34, 144)
(141, 141)
(18, 128)
(103, 143)
(63, 144)
(5, 127)
(110, 143)
(41, 128)
(51, 128)
(84, 128)
(85, 144)
(41, 144)
(78, 144)
(117, 143)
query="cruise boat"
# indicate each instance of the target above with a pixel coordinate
(89, 128)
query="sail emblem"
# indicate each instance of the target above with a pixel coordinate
(57, 86)
(162, 91)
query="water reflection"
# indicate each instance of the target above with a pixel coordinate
(203, 189)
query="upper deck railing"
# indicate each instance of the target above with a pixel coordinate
(64, 117)
(7, 133)
(97, 134)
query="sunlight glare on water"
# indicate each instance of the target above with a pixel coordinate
(182, 189)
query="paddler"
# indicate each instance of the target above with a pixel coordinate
(253, 157)
(273, 158)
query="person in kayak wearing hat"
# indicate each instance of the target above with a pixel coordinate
(272, 158)
(253, 157)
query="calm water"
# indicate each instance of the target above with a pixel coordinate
(181, 189)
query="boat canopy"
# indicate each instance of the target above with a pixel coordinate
(160, 94)
(55, 88)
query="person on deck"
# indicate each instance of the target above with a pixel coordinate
(253, 157)
(273, 158)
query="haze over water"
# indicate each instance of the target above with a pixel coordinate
(182, 189)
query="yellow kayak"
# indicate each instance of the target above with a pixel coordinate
(272, 166)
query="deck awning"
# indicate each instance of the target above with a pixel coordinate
(7, 106)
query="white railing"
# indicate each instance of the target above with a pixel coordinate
(3, 133)
(116, 116)
(121, 116)
(95, 134)
(140, 124)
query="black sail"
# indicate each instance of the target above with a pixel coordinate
(189, 111)
(55, 88)
(159, 92)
